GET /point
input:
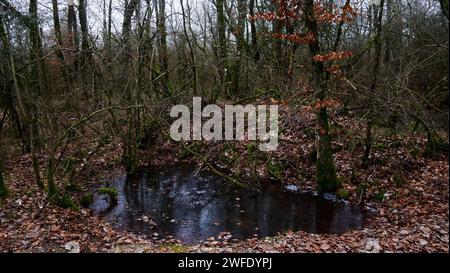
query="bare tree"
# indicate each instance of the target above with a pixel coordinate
(10, 87)
(59, 47)
(254, 39)
(221, 43)
(191, 48)
(241, 45)
(85, 56)
(375, 75)
(160, 9)
(72, 34)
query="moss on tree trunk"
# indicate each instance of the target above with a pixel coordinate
(325, 170)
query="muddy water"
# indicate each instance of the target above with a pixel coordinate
(190, 207)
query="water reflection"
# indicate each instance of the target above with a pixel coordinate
(193, 208)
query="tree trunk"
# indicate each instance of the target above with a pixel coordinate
(12, 94)
(129, 154)
(105, 24)
(5, 42)
(109, 28)
(325, 169)
(36, 51)
(191, 50)
(375, 75)
(84, 29)
(85, 57)
(72, 34)
(254, 38)
(221, 43)
(160, 8)
(388, 31)
(241, 45)
(278, 43)
(38, 82)
(59, 46)
(370, 20)
(444, 7)
(130, 7)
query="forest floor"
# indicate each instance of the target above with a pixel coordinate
(405, 196)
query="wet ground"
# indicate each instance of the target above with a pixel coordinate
(191, 207)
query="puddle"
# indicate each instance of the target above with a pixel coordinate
(192, 208)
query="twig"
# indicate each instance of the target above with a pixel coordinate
(213, 169)
(204, 160)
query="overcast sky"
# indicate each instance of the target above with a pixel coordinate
(95, 12)
(173, 10)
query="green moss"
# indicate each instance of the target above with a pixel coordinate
(87, 200)
(65, 201)
(380, 146)
(343, 193)
(111, 192)
(251, 148)
(379, 195)
(174, 247)
(275, 170)
(327, 180)
(108, 191)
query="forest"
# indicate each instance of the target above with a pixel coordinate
(93, 95)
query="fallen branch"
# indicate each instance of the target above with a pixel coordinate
(203, 159)
(213, 169)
